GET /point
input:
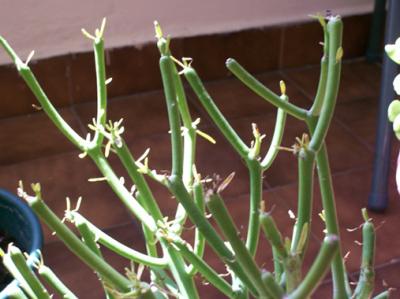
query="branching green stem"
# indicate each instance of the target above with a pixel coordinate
(77, 246)
(51, 279)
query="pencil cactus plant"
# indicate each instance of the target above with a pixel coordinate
(175, 262)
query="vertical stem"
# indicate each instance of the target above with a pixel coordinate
(306, 160)
(173, 115)
(339, 276)
(253, 232)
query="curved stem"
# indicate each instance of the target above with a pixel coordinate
(215, 114)
(256, 86)
(36, 89)
(334, 27)
(276, 138)
(253, 231)
(318, 269)
(118, 247)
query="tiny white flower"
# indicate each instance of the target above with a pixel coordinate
(396, 84)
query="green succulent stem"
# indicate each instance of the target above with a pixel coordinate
(365, 285)
(334, 28)
(273, 235)
(215, 114)
(78, 247)
(242, 254)
(30, 80)
(268, 280)
(203, 268)
(253, 232)
(166, 67)
(301, 230)
(89, 239)
(198, 218)
(15, 262)
(98, 46)
(55, 283)
(276, 138)
(258, 88)
(318, 269)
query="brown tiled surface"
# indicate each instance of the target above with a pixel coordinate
(32, 150)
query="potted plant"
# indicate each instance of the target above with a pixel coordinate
(20, 226)
(171, 260)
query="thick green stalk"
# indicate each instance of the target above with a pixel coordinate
(88, 238)
(268, 280)
(365, 286)
(52, 280)
(33, 84)
(318, 269)
(273, 235)
(203, 268)
(319, 97)
(198, 218)
(77, 246)
(16, 263)
(253, 231)
(225, 223)
(256, 86)
(215, 114)
(276, 138)
(302, 230)
(334, 28)
(340, 281)
(199, 240)
(98, 46)
(173, 115)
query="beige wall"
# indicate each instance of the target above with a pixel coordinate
(52, 27)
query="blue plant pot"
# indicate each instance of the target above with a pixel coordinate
(18, 221)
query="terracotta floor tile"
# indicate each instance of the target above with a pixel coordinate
(33, 136)
(355, 80)
(360, 118)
